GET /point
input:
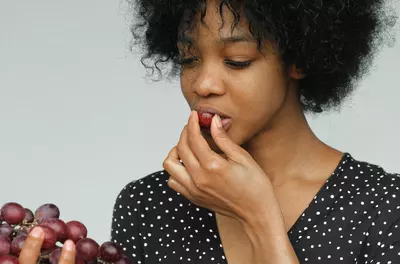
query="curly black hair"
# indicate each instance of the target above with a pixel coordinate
(332, 41)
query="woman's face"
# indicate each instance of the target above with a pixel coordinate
(226, 71)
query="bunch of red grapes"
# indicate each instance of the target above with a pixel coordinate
(16, 222)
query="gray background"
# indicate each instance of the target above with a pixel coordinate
(78, 119)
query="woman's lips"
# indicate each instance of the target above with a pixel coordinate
(206, 118)
(226, 123)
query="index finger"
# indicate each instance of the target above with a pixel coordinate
(68, 253)
(31, 249)
(197, 142)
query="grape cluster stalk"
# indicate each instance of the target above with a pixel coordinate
(16, 222)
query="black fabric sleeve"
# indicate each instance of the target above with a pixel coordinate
(125, 228)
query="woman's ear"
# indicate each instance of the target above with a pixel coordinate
(296, 73)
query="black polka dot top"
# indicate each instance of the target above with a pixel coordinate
(354, 218)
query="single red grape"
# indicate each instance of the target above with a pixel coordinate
(6, 231)
(124, 260)
(110, 252)
(17, 244)
(8, 260)
(13, 213)
(58, 226)
(50, 237)
(5, 246)
(76, 231)
(29, 217)
(47, 211)
(87, 249)
(55, 256)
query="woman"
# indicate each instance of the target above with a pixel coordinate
(259, 187)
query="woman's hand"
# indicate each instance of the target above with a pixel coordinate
(31, 249)
(234, 186)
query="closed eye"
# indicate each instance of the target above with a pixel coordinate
(190, 62)
(238, 64)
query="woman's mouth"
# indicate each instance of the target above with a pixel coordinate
(206, 118)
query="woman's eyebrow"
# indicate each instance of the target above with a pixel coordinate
(236, 39)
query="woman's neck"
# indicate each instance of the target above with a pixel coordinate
(289, 150)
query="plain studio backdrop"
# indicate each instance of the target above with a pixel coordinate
(79, 120)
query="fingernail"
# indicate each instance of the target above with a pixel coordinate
(69, 245)
(37, 232)
(218, 120)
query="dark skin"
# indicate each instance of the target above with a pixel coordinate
(254, 173)
(270, 147)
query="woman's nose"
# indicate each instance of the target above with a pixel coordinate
(209, 81)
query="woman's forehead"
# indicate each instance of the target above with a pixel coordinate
(212, 24)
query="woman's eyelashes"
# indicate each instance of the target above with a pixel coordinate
(238, 64)
(191, 62)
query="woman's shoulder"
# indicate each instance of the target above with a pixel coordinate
(364, 176)
(147, 182)
(362, 169)
(366, 184)
(150, 191)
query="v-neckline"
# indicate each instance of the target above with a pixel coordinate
(322, 190)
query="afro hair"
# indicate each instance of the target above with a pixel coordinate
(332, 41)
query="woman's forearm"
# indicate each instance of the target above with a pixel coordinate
(269, 240)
